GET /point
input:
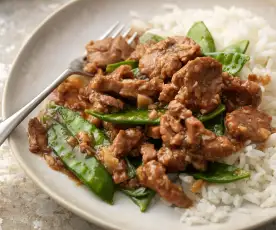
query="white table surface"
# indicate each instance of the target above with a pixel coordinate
(23, 206)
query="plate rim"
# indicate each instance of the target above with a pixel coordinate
(46, 188)
(61, 201)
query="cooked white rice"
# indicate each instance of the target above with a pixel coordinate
(216, 201)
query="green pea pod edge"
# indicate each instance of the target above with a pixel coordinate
(132, 117)
(221, 173)
(146, 37)
(142, 202)
(202, 36)
(231, 62)
(111, 67)
(90, 171)
(239, 47)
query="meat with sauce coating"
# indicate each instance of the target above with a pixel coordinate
(237, 93)
(153, 175)
(200, 84)
(248, 123)
(166, 57)
(38, 142)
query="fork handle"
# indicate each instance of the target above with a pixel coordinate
(8, 125)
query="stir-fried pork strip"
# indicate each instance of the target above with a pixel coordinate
(171, 124)
(153, 175)
(174, 160)
(111, 130)
(166, 57)
(153, 132)
(125, 141)
(168, 93)
(101, 102)
(200, 84)
(86, 142)
(237, 93)
(248, 123)
(67, 92)
(127, 88)
(38, 142)
(204, 142)
(107, 51)
(115, 166)
(140, 51)
(148, 152)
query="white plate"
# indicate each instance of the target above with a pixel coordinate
(47, 53)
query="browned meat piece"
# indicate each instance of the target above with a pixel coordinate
(67, 92)
(94, 120)
(178, 110)
(37, 137)
(127, 88)
(168, 93)
(202, 142)
(116, 167)
(103, 52)
(122, 72)
(154, 132)
(174, 160)
(111, 130)
(130, 184)
(200, 84)
(148, 152)
(153, 175)
(217, 148)
(101, 102)
(171, 127)
(125, 141)
(166, 57)
(248, 123)
(139, 51)
(172, 131)
(237, 93)
(85, 143)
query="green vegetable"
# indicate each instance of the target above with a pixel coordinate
(216, 125)
(239, 47)
(88, 170)
(111, 67)
(131, 170)
(221, 173)
(131, 117)
(202, 36)
(76, 123)
(220, 109)
(139, 192)
(137, 197)
(231, 62)
(135, 71)
(146, 37)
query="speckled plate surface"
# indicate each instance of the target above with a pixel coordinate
(46, 54)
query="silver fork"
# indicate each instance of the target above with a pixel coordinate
(75, 67)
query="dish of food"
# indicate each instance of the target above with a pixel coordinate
(182, 117)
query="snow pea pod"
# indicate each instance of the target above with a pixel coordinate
(231, 62)
(76, 123)
(141, 197)
(202, 36)
(146, 37)
(88, 170)
(220, 109)
(133, 117)
(131, 170)
(221, 173)
(239, 47)
(111, 67)
(216, 125)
